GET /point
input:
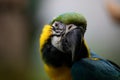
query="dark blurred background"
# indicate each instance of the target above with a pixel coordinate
(17, 34)
(21, 22)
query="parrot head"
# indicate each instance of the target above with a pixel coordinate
(68, 34)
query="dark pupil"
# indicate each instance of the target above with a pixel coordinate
(56, 24)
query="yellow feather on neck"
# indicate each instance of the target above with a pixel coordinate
(60, 73)
(45, 35)
(87, 48)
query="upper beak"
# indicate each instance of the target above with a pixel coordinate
(74, 40)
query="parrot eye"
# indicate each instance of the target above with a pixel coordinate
(58, 28)
(56, 24)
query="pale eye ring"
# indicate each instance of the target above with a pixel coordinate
(58, 25)
(58, 28)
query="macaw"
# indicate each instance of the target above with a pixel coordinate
(66, 55)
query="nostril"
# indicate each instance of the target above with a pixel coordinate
(69, 27)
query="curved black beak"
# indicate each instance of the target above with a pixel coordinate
(72, 43)
(76, 42)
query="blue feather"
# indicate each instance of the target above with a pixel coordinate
(90, 69)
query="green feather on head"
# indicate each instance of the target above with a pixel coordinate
(72, 18)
